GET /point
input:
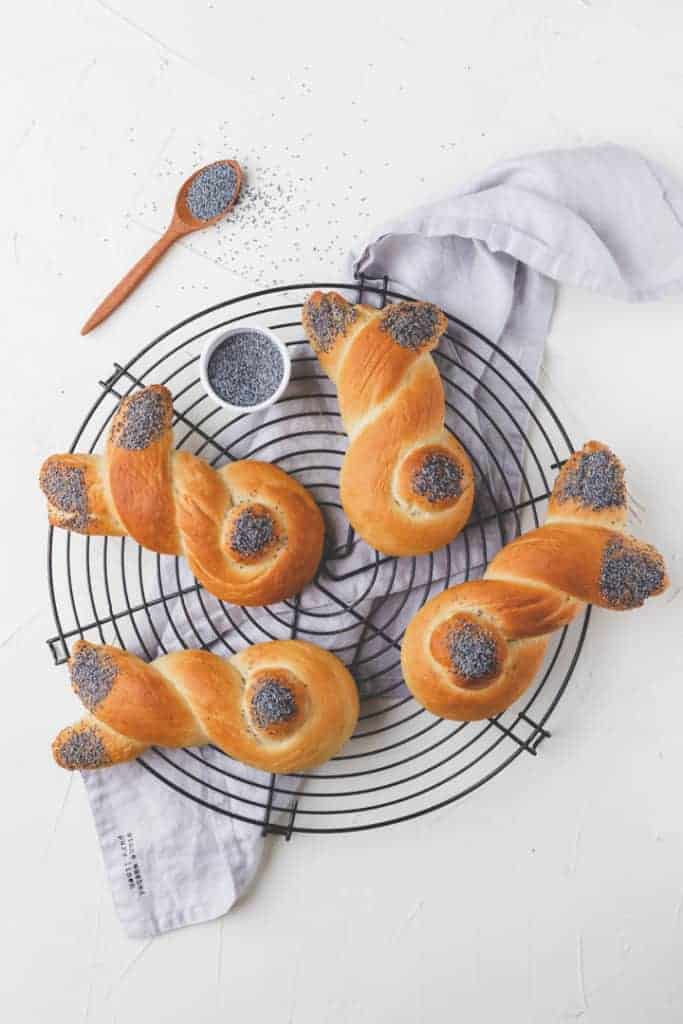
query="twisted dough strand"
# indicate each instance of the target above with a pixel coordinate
(283, 705)
(473, 650)
(251, 534)
(406, 484)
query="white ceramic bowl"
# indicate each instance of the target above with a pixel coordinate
(245, 329)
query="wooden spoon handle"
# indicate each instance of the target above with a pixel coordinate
(132, 279)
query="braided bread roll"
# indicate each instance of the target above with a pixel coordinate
(251, 534)
(406, 484)
(474, 649)
(283, 705)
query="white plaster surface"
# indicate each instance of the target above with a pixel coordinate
(554, 894)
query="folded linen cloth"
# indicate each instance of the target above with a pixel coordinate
(491, 253)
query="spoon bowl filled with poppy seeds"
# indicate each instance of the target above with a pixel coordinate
(246, 369)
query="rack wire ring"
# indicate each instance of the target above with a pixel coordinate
(402, 762)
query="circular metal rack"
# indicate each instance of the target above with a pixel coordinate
(402, 762)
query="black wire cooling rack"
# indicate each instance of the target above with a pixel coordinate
(402, 762)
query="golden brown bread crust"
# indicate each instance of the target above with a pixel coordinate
(475, 648)
(406, 484)
(251, 534)
(283, 706)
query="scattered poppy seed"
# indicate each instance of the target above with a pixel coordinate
(211, 191)
(246, 369)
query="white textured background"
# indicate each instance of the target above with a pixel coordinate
(553, 894)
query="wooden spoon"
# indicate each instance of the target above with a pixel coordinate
(182, 223)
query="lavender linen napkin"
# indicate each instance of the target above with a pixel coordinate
(492, 253)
